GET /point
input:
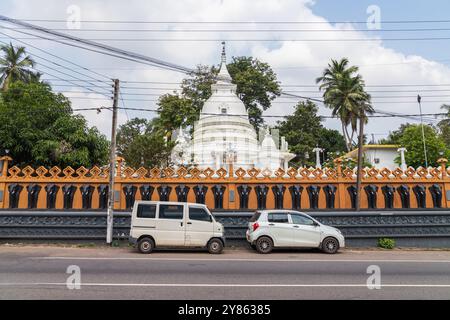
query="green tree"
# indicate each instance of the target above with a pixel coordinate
(140, 143)
(444, 125)
(175, 111)
(256, 83)
(394, 136)
(14, 66)
(344, 94)
(304, 131)
(411, 139)
(38, 128)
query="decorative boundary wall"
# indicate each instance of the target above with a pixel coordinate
(416, 228)
(303, 188)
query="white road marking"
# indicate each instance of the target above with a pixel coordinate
(326, 285)
(242, 259)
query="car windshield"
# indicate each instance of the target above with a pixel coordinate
(255, 217)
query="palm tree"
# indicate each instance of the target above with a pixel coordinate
(14, 65)
(344, 93)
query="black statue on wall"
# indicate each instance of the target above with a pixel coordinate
(313, 193)
(388, 192)
(218, 192)
(200, 193)
(244, 194)
(103, 196)
(86, 196)
(371, 192)
(182, 192)
(164, 192)
(421, 195)
(436, 195)
(130, 195)
(68, 193)
(14, 194)
(146, 192)
(278, 193)
(52, 190)
(352, 192)
(330, 195)
(296, 196)
(403, 191)
(261, 195)
(33, 194)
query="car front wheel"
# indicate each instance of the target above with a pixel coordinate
(330, 245)
(215, 246)
(264, 245)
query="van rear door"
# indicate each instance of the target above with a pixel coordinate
(199, 226)
(170, 228)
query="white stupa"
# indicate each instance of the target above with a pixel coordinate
(223, 134)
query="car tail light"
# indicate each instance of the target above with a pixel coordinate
(255, 226)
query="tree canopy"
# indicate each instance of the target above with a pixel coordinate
(38, 128)
(304, 131)
(15, 65)
(344, 93)
(410, 137)
(257, 87)
(140, 143)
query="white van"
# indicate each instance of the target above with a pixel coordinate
(174, 224)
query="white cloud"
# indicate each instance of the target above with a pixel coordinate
(294, 62)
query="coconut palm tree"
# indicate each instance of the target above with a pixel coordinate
(344, 93)
(14, 65)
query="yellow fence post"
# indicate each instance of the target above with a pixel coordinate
(446, 181)
(3, 175)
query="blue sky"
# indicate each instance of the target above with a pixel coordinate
(394, 10)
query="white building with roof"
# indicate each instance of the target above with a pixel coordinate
(223, 134)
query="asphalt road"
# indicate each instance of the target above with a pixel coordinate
(120, 273)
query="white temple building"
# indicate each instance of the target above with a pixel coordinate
(224, 135)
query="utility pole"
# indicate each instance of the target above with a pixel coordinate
(419, 99)
(360, 163)
(112, 166)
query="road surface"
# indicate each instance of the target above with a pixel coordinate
(40, 272)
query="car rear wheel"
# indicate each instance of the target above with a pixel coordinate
(215, 246)
(146, 245)
(264, 245)
(330, 245)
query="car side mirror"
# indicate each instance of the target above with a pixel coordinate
(316, 224)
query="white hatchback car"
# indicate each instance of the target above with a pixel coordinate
(268, 229)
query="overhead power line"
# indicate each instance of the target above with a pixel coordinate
(236, 22)
(239, 39)
(126, 53)
(209, 30)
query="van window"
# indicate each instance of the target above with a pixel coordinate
(199, 214)
(278, 217)
(255, 217)
(170, 211)
(146, 211)
(299, 219)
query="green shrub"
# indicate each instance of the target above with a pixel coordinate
(386, 243)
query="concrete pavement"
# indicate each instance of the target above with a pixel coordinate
(40, 272)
